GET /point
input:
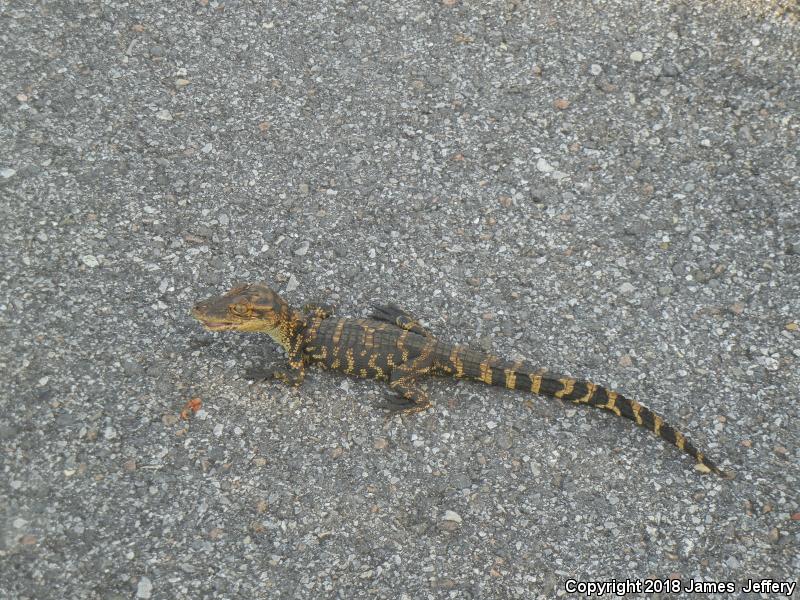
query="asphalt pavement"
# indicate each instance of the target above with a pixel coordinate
(610, 190)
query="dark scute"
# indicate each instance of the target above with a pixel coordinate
(600, 396)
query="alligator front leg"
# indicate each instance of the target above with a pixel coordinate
(290, 376)
(291, 372)
(285, 373)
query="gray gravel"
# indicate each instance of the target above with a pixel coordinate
(608, 189)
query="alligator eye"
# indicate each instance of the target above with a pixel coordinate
(238, 309)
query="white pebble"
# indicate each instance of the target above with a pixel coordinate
(543, 166)
(450, 515)
(144, 588)
(90, 261)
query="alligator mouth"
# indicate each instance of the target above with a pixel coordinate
(216, 326)
(210, 324)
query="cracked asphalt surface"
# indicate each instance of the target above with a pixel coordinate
(607, 189)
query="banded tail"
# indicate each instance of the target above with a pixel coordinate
(469, 364)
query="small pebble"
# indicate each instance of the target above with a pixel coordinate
(543, 166)
(450, 515)
(144, 588)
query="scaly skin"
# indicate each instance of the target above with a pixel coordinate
(392, 346)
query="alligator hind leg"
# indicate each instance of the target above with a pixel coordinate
(404, 381)
(391, 313)
(412, 399)
(397, 404)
